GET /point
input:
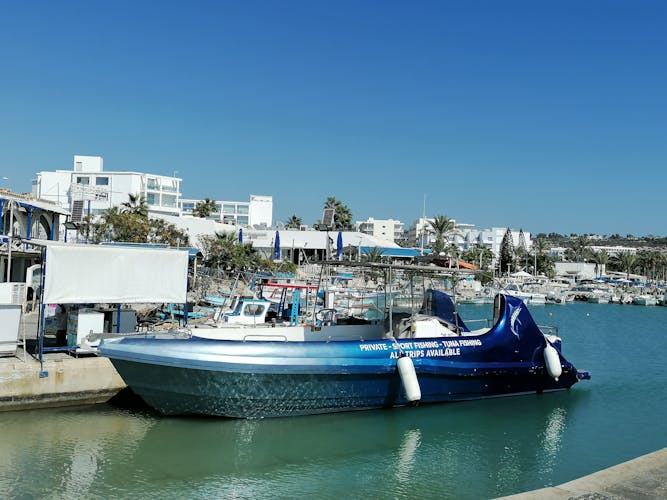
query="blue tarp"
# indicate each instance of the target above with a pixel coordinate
(394, 252)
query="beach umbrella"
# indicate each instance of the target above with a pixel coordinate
(241, 235)
(339, 245)
(276, 247)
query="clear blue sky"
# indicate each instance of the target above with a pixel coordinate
(540, 115)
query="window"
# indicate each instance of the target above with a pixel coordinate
(152, 183)
(168, 200)
(169, 185)
(101, 181)
(228, 209)
(242, 219)
(150, 199)
(83, 180)
(242, 209)
(253, 309)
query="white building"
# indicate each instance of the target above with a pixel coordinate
(421, 233)
(614, 251)
(386, 229)
(258, 212)
(493, 239)
(88, 189)
(465, 236)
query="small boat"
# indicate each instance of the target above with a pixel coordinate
(645, 300)
(268, 370)
(533, 298)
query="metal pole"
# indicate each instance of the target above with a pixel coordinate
(9, 241)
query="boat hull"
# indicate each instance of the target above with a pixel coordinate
(235, 383)
(257, 377)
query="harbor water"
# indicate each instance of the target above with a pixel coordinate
(476, 449)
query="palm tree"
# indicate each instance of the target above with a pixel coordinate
(580, 246)
(136, 204)
(205, 208)
(600, 258)
(444, 228)
(342, 214)
(539, 248)
(293, 222)
(478, 255)
(224, 250)
(627, 261)
(373, 254)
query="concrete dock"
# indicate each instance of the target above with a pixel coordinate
(63, 380)
(642, 478)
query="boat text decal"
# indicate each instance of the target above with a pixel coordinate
(424, 349)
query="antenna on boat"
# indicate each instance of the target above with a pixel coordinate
(391, 302)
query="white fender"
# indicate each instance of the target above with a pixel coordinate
(406, 370)
(552, 361)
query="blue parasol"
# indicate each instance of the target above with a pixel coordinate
(276, 247)
(339, 245)
(241, 235)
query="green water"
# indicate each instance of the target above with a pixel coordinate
(479, 449)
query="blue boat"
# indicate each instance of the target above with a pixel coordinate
(273, 371)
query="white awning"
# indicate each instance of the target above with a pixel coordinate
(82, 274)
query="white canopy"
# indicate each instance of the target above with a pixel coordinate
(81, 274)
(521, 274)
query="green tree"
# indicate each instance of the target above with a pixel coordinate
(342, 215)
(444, 228)
(600, 258)
(373, 254)
(581, 248)
(626, 262)
(506, 252)
(131, 227)
(136, 204)
(293, 222)
(479, 255)
(223, 250)
(205, 208)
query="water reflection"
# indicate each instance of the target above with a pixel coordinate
(462, 450)
(64, 450)
(406, 455)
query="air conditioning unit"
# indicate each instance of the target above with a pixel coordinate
(12, 293)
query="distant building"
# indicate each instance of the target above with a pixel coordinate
(465, 237)
(421, 233)
(386, 229)
(493, 239)
(614, 251)
(579, 270)
(258, 212)
(88, 189)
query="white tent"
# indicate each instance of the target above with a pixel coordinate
(521, 274)
(83, 274)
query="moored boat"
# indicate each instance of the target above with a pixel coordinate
(271, 371)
